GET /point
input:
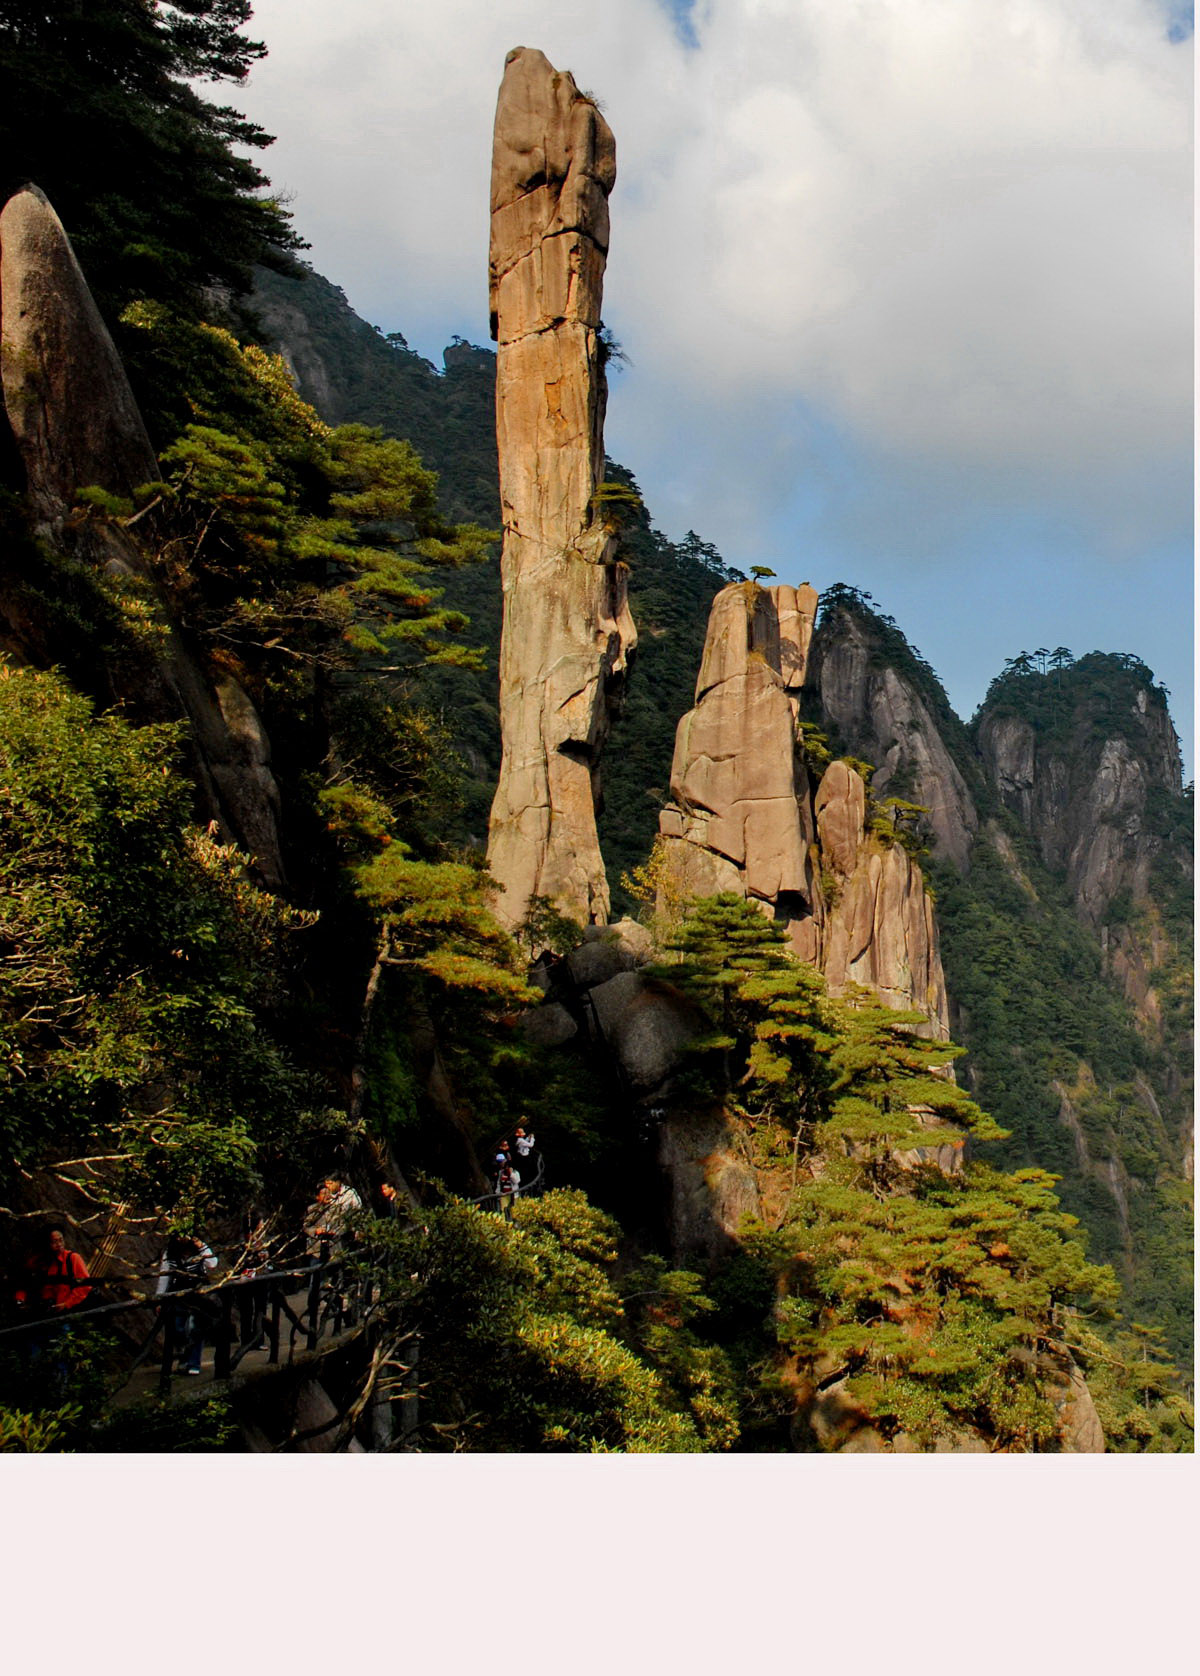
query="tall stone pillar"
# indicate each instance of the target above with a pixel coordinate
(567, 628)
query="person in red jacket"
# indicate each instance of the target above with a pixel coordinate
(57, 1278)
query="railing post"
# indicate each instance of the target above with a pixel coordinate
(409, 1396)
(221, 1341)
(168, 1350)
(335, 1284)
(314, 1307)
(273, 1322)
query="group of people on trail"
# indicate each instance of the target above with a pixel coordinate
(507, 1162)
(55, 1280)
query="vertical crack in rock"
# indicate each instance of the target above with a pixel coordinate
(567, 628)
(745, 818)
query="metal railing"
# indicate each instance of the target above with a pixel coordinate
(333, 1303)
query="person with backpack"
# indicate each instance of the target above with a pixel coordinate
(508, 1186)
(185, 1263)
(56, 1278)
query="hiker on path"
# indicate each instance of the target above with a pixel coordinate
(326, 1221)
(508, 1186)
(56, 1278)
(185, 1264)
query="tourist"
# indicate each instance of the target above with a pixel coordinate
(508, 1186)
(185, 1263)
(524, 1144)
(56, 1280)
(327, 1218)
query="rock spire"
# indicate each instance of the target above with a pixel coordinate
(745, 818)
(567, 629)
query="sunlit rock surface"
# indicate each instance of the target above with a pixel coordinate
(567, 628)
(744, 818)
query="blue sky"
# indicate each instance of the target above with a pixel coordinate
(906, 289)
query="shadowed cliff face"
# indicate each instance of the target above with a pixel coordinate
(567, 628)
(1080, 771)
(76, 424)
(873, 710)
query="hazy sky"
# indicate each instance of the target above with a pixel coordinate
(906, 285)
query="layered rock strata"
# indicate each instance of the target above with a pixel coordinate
(75, 424)
(744, 818)
(567, 628)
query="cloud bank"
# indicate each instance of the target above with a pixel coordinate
(887, 273)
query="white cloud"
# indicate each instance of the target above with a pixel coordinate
(957, 232)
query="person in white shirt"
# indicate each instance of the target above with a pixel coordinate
(326, 1219)
(185, 1262)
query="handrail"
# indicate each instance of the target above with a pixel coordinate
(334, 1303)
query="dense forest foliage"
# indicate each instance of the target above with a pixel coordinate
(183, 1049)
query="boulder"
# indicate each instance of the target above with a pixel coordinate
(69, 405)
(646, 1024)
(881, 933)
(736, 782)
(596, 961)
(841, 811)
(567, 631)
(549, 1025)
(313, 1408)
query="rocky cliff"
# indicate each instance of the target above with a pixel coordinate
(567, 629)
(75, 424)
(878, 707)
(1080, 753)
(748, 814)
(1060, 843)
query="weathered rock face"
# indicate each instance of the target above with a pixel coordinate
(878, 714)
(879, 927)
(711, 1186)
(567, 629)
(68, 401)
(744, 817)
(76, 423)
(1084, 798)
(736, 779)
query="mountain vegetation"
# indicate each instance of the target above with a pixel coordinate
(187, 1046)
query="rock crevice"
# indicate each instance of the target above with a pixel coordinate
(745, 817)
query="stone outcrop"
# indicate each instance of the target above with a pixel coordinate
(1085, 798)
(877, 713)
(879, 928)
(744, 817)
(76, 424)
(567, 628)
(736, 778)
(68, 401)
